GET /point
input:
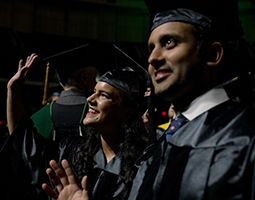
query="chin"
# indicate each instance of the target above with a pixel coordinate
(163, 87)
(88, 122)
(91, 124)
(166, 95)
(161, 92)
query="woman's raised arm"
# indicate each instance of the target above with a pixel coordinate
(14, 107)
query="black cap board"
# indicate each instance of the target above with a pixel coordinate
(222, 13)
(128, 76)
(68, 61)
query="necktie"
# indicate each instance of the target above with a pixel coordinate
(175, 124)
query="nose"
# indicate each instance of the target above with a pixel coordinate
(92, 99)
(156, 58)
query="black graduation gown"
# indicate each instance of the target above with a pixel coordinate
(210, 157)
(25, 157)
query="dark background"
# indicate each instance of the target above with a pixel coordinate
(49, 27)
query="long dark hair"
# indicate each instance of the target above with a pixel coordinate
(131, 143)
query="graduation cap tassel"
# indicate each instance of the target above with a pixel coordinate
(46, 85)
(152, 117)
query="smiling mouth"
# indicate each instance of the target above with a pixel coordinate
(92, 111)
(160, 75)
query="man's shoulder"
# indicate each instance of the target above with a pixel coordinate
(240, 113)
(228, 123)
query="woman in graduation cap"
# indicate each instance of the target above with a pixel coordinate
(107, 155)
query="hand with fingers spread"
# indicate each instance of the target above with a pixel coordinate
(14, 107)
(23, 72)
(65, 182)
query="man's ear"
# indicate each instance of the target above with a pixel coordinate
(215, 54)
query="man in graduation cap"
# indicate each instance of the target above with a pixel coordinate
(193, 47)
(77, 75)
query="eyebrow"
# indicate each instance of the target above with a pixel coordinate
(171, 35)
(103, 91)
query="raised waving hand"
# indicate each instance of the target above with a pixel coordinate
(23, 72)
(66, 183)
(14, 104)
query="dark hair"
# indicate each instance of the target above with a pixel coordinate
(230, 42)
(131, 143)
(73, 79)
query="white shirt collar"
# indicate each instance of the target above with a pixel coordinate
(206, 101)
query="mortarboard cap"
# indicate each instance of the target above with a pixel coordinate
(66, 63)
(69, 61)
(128, 76)
(222, 14)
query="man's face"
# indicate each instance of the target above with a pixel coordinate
(173, 63)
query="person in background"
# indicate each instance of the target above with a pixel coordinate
(170, 115)
(53, 97)
(62, 118)
(161, 128)
(145, 118)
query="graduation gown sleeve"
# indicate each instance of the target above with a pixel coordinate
(26, 155)
(210, 157)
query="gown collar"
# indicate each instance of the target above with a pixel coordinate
(205, 102)
(114, 166)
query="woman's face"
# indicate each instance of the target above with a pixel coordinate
(106, 109)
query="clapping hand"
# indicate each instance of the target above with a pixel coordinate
(65, 182)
